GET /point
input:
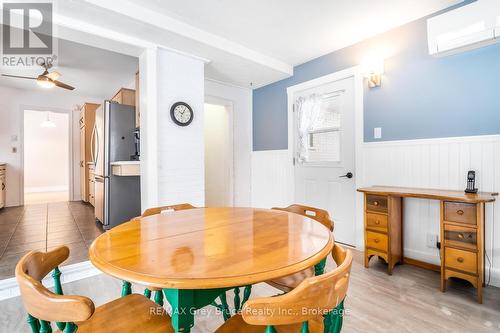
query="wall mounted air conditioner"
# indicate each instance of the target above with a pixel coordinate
(471, 26)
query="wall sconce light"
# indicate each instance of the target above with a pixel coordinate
(373, 68)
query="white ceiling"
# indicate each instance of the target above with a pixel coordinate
(248, 41)
(295, 31)
(94, 72)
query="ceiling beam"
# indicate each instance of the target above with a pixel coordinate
(170, 24)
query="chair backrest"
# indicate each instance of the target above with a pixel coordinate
(40, 302)
(317, 214)
(158, 210)
(319, 294)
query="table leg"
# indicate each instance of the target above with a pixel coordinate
(184, 302)
(319, 268)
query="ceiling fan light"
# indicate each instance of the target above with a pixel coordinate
(45, 83)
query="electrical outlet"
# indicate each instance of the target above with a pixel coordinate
(432, 241)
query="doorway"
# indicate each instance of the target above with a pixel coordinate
(324, 152)
(218, 155)
(46, 157)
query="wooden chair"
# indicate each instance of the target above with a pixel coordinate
(158, 210)
(158, 292)
(133, 313)
(290, 282)
(316, 305)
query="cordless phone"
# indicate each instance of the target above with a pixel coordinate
(471, 182)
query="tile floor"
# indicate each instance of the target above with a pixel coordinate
(43, 227)
(407, 301)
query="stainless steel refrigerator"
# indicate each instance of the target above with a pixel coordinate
(117, 198)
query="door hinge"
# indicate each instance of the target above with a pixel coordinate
(293, 161)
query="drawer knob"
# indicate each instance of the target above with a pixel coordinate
(460, 212)
(460, 259)
(461, 236)
(375, 203)
(376, 240)
(377, 222)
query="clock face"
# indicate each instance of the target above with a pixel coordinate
(181, 114)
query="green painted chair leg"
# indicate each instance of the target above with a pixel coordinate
(45, 327)
(270, 329)
(159, 297)
(126, 288)
(305, 327)
(56, 275)
(70, 328)
(246, 294)
(147, 293)
(237, 300)
(225, 307)
(34, 324)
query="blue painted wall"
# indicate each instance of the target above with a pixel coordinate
(421, 96)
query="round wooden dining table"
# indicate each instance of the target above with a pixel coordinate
(196, 255)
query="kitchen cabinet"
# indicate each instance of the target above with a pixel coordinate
(91, 183)
(125, 96)
(87, 120)
(2, 185)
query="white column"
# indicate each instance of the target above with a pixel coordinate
(172, 157)
(149, 129)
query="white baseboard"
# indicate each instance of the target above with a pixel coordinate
(422, 256)
(39, 189)
(69, 273)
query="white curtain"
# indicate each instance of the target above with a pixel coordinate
(308, 111)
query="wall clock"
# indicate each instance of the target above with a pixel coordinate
(181, 113)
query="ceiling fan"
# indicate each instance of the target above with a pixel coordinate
(46, 79)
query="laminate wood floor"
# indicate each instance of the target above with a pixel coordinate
(43, 227)
(407, 301)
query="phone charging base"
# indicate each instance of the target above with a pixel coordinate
(473, 191)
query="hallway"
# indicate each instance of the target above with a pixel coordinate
(43, 227)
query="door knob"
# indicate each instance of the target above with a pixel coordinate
(347, 175)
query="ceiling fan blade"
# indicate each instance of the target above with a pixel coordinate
(63, 85)
(53, 75)
(19, 77)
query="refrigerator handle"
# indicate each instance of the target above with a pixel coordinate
(97, 146)
(92, 144)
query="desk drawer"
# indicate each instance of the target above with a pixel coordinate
(460, 212)
(461, 260)
(376, 241)
(460, 236)
(376, 221)
(376, 203)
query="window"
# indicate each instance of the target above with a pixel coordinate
(319, 128)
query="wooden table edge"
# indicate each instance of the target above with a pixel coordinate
(208, 283)
(407, 194)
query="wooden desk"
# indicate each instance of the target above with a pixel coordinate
(195, 255)
(461, 225)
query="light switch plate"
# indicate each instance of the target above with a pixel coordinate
(377, 133)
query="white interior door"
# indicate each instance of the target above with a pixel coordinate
(218, 156)
(324, 153)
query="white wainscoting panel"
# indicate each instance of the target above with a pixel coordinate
(427, 163)
(443, 164)
(272, 178)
